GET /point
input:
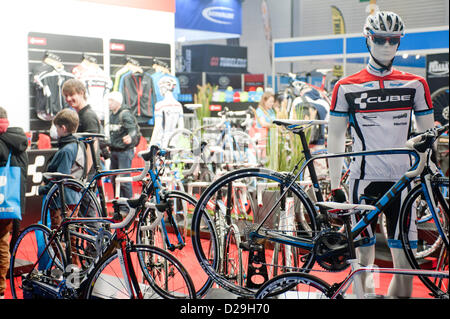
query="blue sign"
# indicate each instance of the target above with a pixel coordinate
(224, 16)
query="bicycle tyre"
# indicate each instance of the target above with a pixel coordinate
(188, 149)
(232, 263)
(206, 207)
(28, 257)
(157, 236)
(294, 285)
(423, 245)
(440, 102)
(84, 250)
(106, 281)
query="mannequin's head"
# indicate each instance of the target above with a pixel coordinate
(383, 31)
(166, 84)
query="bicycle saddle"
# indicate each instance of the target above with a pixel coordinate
(287, 123)
(85, 136)
(345, 206)
(193, 106)
(55, 176)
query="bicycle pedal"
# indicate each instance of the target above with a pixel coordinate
(247, 246)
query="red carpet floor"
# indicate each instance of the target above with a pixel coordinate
(382, 282)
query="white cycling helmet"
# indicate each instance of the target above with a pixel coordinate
(167, 83)
(384, 23)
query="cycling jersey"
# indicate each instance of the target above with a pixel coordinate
(97, 84)
(48, 82)
(379, 109)
(138, 94)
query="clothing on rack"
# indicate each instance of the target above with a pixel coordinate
(97, 83)
(48, 79)
(138, 94)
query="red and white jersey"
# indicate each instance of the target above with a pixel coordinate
(379, 110)
(97, 83)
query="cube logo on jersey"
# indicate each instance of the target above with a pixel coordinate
(379, 100)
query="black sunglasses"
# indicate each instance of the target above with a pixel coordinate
(382, 40)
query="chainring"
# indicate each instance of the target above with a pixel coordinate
(331, 250)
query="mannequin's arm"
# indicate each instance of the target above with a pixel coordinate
(424, 122)
(157, 132)
(337, 127)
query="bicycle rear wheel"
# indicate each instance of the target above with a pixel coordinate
(294, 286)
(245, 197)
(440, 104)
(187, 148)
(31, 260)
(424, 246)
(80, 202)
(157, 273)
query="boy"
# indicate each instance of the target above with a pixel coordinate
(69, 159)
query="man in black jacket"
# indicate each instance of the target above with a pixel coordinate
(12, 140)
(74, 92)
(123, 132)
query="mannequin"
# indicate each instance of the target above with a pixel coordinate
(168, 113)
(357, 100)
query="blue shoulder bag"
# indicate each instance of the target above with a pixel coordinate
(10, 191)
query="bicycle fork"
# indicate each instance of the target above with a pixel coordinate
(129, 275)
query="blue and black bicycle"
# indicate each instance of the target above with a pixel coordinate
(284, 216)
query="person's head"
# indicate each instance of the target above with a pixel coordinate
(267, 100)
(383, 31)
(74, 92)
(115, 100)
(166, 84)
(4, 122)
(66, 122)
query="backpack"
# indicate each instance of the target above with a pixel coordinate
(78, 169)
(137, 138)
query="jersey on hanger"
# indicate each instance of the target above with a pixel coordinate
(138, 93)
(48, 83)
(380, 115)
(97, 83)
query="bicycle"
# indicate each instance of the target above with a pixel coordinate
(236, 202)
(115, 266)
(301, 285)
(158, 225)
(312, 226)
(229, 148)
(87, 199)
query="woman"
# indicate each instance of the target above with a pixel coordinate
(265, 113)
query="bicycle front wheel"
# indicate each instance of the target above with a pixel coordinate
(294, 286)
(154, 273)
(246, 198)
(179, 206)
(424, 237)
(32, 259)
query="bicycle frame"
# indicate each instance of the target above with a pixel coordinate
(383, 202)
(156, 188)
(119, 242)
(357, 270)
